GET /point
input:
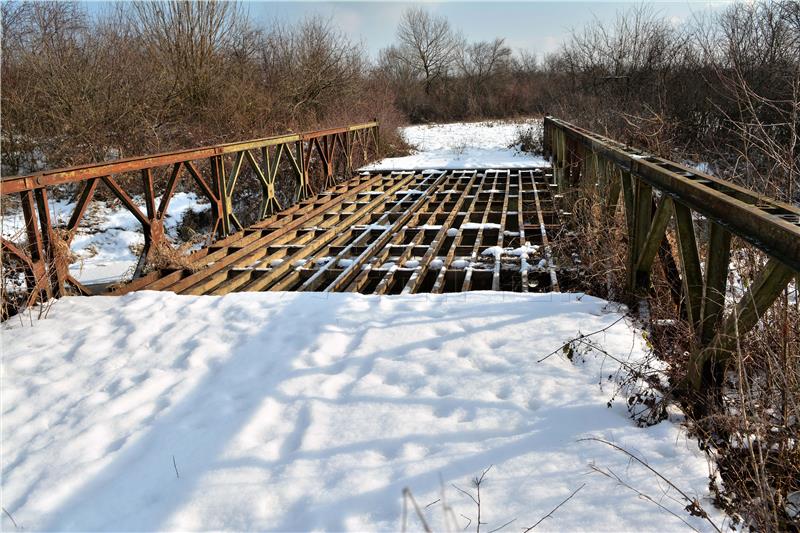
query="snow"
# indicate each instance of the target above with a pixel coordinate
(109, 238)
(463, 145)
(478, 225)
(524, 251)
(495, 251)
(365, 227)
(304, 411)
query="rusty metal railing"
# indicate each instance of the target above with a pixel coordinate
(311, 157)
(582, 158)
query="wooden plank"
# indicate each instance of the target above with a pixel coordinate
(323, 240)
(348, 273)
(501, 234)
(388, 277)
(548, 252)
(219, 261)
(467, 284)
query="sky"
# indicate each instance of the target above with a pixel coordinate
(536, 26)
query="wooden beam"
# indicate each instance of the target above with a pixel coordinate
(691, 275)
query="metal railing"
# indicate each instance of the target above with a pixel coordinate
(311, 157)
(656, 190)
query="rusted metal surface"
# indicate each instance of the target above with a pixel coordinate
(390, 233)
(310, 161)
(15, 184)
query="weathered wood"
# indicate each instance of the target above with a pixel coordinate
(717, 263)
(770, 282)
(643, 213)
(768, 224)
(689, 256)
(654, 236)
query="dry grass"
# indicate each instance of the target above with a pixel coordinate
(753, 434)
(162, 256)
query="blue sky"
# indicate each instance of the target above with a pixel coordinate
(536, 26)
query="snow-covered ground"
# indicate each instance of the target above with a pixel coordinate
(109, 238)
(302, 411)
(464, 145)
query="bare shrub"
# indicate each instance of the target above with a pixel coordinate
(528, 138)
(163, 256)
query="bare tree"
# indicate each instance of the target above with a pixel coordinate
(427, 45)
(482, 60)
(188, 40)
(324, 63)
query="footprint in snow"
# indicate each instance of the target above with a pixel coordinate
(504, 393)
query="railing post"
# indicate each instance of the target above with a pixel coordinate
(38, 274)
(303, 187)
(348, 152)
(223, 212)
(152, 216)
(642, 216)
(377, 134)
(54, 257)
(706, 366)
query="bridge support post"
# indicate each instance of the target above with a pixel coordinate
(707, 365)
(55, 261)
(692, 278)
(716, 271)
(642, 217)
(36, 277)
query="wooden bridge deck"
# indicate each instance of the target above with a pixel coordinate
(390, 233)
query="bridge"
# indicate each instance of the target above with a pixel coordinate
(321, 225)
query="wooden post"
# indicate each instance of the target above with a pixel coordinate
(642, 217)
(706, 364)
